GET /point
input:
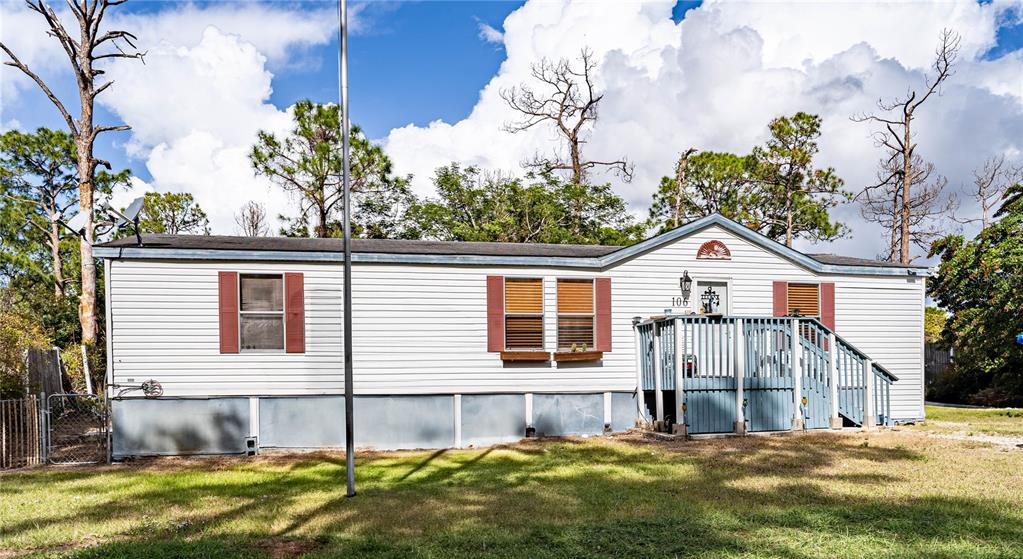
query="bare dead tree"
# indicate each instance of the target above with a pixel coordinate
(989, 185)
(251, 219)
(567, 101)
(896, 119)
(92, 45)
(884, 204)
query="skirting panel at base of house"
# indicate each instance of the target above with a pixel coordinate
(147, 427)
(172, 426)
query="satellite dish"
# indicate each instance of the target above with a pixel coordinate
(76, 223)
(130, 213)
(129, 216)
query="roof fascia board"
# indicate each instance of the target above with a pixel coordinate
(308, 256)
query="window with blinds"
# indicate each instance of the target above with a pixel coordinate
(804, 299)
(575, 314)
(523, 313)
(261, 313)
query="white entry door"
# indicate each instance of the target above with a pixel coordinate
(712, 297)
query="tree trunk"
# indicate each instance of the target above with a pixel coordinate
(893, 244)
(680, 180)
(58, 265)
(577, 166)
(321, 225)
(788, 219)
(907, 179)
(86, 171)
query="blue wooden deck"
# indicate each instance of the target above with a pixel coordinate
(702, 358)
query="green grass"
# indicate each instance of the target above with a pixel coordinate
(889, 494)
(999, 422)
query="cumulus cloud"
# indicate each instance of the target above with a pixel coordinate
(195, 112)
(202, 95)
(714, 81)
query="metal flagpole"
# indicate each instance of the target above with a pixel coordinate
(346, 170)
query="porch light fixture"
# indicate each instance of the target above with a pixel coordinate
(686, 283)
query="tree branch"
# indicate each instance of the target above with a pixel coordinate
(15, 62)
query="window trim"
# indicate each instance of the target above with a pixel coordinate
(592, 315)
(283, 314)
(788, 287)
(542, 314)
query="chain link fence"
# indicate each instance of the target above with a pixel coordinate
(76, 429)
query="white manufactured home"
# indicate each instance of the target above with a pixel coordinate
(710, 327)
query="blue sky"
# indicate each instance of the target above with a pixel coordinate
(677, 75)
(420, 61)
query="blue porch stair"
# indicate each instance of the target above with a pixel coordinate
(735, 373)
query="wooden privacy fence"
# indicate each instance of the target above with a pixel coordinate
(20, 436)
(937, 360)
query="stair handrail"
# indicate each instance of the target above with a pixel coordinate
(859, 353)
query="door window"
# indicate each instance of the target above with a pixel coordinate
(712, 297)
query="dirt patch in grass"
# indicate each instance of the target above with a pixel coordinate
(1003, 427)
(287, 549)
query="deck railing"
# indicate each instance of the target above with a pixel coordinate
(708, 355)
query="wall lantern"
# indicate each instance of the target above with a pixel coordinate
(686, 283)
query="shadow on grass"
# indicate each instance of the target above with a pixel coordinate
(766, 496)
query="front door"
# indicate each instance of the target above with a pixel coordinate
(712, 297)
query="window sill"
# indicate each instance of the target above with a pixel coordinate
(535, 356)
(563, 356)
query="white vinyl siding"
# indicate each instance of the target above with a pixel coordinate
(422, 329)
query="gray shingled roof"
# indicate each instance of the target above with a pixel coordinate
(376, 246)
(837, 260)
(399, 246)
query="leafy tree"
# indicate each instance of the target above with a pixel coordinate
(38, 186)
(980, 284)
(475, 205)
(38, 173)
(712, 182)
(307, 163)
(19, 332)
(172, 214)
(796, 195)
(934, 324)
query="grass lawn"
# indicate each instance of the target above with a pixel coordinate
(999, 422)
(850, 494)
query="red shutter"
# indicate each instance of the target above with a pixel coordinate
(828, 305)
(294, 312)
(602, 295)
(781, 298)
(495, 313)
(228, 298)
